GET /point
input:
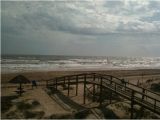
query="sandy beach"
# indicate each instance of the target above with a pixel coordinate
(132, 76)
(48, 105)
(45, 75)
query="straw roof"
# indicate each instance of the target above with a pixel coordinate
(20, 79)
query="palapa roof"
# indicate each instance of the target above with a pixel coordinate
(20, 79)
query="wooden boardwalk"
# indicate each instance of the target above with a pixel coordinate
(135, 94)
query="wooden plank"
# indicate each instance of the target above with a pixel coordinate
(76, 85)
(46, 83)
(56, 84)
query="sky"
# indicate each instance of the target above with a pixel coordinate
(81, 27)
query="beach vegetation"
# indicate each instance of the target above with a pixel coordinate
(61, 116)
(6, 103)
(155, 87)
(23, 106)
(31, 114)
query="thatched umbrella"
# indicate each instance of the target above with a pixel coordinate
(20, 79)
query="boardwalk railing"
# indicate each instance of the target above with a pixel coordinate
(137, 95)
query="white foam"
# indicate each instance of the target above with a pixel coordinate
(22, 65)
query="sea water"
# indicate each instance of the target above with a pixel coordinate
(25, 63)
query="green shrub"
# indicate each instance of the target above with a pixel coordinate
(23, 106)
(61, 116)
(29, 114)
(35, 103)
(35, 115)
(155, 87)
(11, 115)
(6, 102)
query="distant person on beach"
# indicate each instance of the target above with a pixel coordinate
(34, 83)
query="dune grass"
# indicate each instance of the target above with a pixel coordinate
(6, 103)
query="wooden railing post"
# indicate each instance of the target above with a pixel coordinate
(142, 109)
(84, 92)
(64, 83)
(125, 85)
(93, 88)
(64, 80)
(76, 85)
(111, 78)
(100, 97)
(46, 83)
(56, 83)
(68, 85)
(132, 103)
(143, 94)
(110, 100)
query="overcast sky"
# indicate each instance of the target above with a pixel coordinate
(93, 27)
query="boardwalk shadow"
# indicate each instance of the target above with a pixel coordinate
(78, 110)
(69, 102)
(108, 114)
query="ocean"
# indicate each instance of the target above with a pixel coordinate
(27, 63)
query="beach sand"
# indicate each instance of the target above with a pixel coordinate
(44, 75)
(50, 106)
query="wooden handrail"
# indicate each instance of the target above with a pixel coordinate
(130, 83)
(134, 90)
(105, 78)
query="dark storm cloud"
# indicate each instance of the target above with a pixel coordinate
(63, 16)
(60, 27)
